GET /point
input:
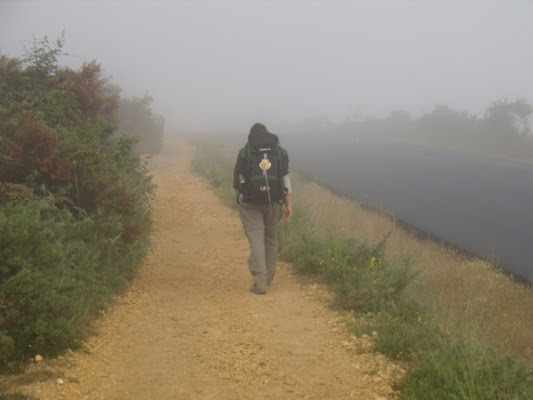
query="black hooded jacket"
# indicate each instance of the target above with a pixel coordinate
(259, 137)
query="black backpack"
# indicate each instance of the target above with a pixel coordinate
(258, 185)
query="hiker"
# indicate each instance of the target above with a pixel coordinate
(263, 191)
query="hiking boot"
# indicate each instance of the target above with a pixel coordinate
(257, 289)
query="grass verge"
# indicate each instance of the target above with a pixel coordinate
(393, 298)
(214, 162)
(15, 396)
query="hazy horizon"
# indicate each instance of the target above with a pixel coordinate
(224, 65)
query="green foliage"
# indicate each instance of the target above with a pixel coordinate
(303, 250)
(57, 272)
(510, 118)
(42, 57)
(136, 119)
(212, 162)
(37, 315)
(358, 272)
(15, 396)
(404, 331)
(466, 369)
(74, 203)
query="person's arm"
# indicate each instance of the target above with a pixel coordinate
(237, 171)
(287, 211)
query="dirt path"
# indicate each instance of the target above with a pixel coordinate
(189, 328)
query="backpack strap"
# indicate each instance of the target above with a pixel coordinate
(249, 159)
(278, 160)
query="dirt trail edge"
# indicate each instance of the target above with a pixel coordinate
(188, 328)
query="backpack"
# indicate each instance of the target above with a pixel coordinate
(261, 173)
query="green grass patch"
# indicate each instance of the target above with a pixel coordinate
(4, 395)
(364, 282)
(212, 161)
(463, 368)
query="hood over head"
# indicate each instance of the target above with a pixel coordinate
(260, 136)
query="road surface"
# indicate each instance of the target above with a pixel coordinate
(480, 204)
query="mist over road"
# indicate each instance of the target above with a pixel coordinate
(480, 204)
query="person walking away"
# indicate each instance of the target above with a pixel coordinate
(263, 191)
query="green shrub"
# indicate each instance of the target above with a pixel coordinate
(56, 273)
(35, 312)
(136, 119)
(301, 244)
(465, 369)
(363, 279)
(212, 162)
(7, 345)
(38, 314)
(74, 203)
(403, 332)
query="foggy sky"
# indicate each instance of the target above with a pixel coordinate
(226, 64)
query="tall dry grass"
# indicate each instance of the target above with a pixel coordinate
(470, 295)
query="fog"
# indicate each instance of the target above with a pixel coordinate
(219, 65)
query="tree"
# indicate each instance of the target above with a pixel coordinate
(136, 119)
(445, 123)
(399, 123)
(510, 118)
(42, 56)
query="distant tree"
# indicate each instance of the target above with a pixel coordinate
(399, 123)
(399, 116)
(506, 129)
(508, 118)
(444, 122)
(136, 119)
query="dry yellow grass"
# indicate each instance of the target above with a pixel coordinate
(469, 294)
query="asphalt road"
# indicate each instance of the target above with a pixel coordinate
(480, 204)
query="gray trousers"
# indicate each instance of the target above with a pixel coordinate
(260, 222)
